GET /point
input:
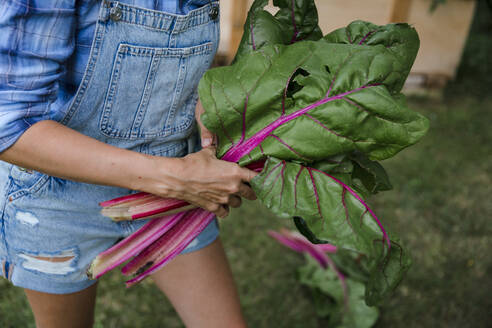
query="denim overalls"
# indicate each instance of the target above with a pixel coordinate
(138, 92)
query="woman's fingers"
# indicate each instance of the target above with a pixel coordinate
(246, 192)
(234, 201)
(241, 188)
(220, 210)
(207, 137)
(246, 175)
(222, 199)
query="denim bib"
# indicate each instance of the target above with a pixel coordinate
(139, 88)
(138, 92)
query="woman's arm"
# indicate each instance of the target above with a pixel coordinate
(199, 178)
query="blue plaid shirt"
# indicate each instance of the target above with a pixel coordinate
(37, 41)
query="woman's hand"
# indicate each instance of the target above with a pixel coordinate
(202, 179)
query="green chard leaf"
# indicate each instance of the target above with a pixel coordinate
(326, 210)
(368, 177)
(355, 169)
(329, 300)
(386, 274)
(330, 208)
(309, 101)
(398, 38)
(294, 21)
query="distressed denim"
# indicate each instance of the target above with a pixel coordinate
(138, 92)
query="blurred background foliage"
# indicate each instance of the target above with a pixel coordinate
(474, 76)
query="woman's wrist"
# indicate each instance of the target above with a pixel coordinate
(157, 175)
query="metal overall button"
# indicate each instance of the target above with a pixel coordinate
(115, 13)
(213, 12)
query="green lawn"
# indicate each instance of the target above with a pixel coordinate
(440, 206)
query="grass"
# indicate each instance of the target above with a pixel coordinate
(439, 206)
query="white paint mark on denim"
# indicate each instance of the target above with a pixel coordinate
(27, 218)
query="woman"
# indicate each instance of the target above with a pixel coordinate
(97, 99)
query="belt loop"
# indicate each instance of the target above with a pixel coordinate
(104, 12)
(213, 12)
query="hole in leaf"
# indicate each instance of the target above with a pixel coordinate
(293, 86)
(327, 68)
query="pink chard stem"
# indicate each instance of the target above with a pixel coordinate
(125, 199)
(168, 246)
(300, 244)
(142, 206)
(132, 245)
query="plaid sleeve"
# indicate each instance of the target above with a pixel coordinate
(36, 39)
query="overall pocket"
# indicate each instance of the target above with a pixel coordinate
(25, 181)
(147, 87)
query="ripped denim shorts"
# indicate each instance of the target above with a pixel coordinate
(138, 92)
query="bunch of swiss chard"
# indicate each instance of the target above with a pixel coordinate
(313, 114)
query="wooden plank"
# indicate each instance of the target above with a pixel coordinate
(238, 18)
(400, 10)
(438, 55)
